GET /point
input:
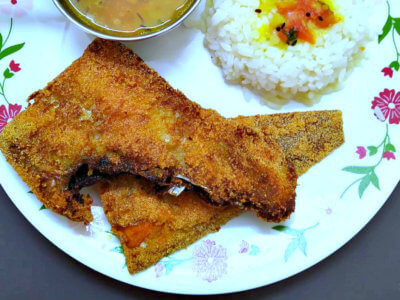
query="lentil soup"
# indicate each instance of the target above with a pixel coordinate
(135, 17)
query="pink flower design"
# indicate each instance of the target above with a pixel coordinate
(389, 155)
(210, 261)
(387, 72)
(361, 151)
(7, 116)
(328, 211)
(159, 269)
(14, 66)
(244, 247)
(387, 106)
(16, 8)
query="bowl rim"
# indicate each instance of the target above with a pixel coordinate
(102, 35)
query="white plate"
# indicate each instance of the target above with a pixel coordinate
(246, 253)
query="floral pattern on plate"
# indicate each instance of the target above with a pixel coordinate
(210, 260)
(213, 259)
(392, 27)
(386, 107)
(7, 114)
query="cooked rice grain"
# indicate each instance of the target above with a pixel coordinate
(303, 72)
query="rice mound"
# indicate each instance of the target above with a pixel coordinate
(303, 72)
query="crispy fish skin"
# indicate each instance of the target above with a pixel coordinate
(151, 226)
(109, 113)
(305, 137)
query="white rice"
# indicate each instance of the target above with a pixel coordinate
(303, 72)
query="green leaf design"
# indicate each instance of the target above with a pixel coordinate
(42, 207)
(394, 65)
(118, 249)
(386, 28)
(365, 181)
(303, 244)
(255, 250)
(11, 50)
(372, 150)
(358, 170)
(1, 41)
(280, 228)
(396, 24)
(7, 74)
(170, 263)
(287, 230)
(374, 180)
(291, 248)
(389, 148)
(169, 266)
(298, 240)
(30, 192)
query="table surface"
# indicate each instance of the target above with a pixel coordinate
(368, 267)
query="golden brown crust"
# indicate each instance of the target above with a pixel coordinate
(109, 113)
(176, 222)
(305, 137)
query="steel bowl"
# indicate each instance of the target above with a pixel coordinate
(85, 26)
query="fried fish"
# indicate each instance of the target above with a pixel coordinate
(109, 114)
(305, 137)
(151, 226)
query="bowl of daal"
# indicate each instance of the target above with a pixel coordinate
(126, 20)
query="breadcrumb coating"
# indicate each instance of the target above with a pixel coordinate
(109, 113)
(151, 225)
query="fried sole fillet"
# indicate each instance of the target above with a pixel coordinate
(109, 113)
(151, 226)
